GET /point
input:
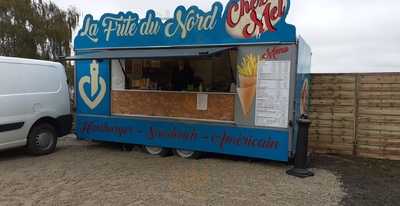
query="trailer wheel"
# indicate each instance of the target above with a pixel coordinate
(157, 151)
(127, 147)
(42, 139)
(187, 154)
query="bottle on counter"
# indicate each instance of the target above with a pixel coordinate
(233, 88)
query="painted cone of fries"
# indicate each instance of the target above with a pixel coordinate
(248, 82)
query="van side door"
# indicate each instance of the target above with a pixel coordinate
(13, 110)
(12, 121)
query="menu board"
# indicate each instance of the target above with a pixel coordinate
(272, 98)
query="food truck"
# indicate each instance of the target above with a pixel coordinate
(232, 80)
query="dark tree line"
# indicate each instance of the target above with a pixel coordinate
(36, 29)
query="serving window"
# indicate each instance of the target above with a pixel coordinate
(216, 73)
(196, 87)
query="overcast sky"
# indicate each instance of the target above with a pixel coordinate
(345, 35)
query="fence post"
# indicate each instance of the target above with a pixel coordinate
(356, 105)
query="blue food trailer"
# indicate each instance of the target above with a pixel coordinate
(230, 80)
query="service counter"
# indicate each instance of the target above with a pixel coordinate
(179, 105)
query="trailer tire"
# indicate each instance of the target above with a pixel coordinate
(127, 147)
(187, 154)
(157, 151)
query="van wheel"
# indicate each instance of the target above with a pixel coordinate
(187, 154)
(42, 139)
(157, 151)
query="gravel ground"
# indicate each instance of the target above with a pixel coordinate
(82, 173)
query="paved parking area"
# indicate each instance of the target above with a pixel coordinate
(83, 173)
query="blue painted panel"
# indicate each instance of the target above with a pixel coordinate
(93, 87)
(240, 22)
(216, 138)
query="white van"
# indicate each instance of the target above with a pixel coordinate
(34, 104)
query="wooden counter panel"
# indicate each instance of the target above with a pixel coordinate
(221, 107)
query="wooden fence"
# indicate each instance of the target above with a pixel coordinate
(356, 114)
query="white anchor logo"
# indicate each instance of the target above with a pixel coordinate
(94, 82)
